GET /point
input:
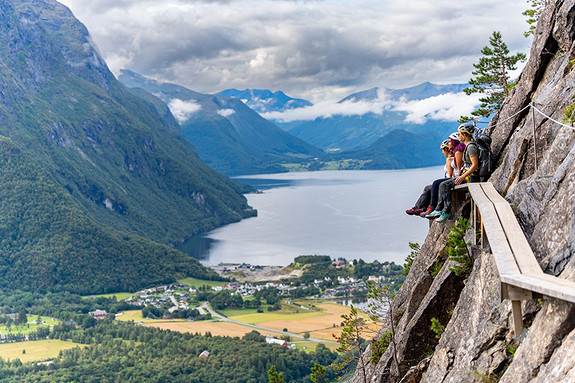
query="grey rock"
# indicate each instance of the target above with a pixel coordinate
(536, 174)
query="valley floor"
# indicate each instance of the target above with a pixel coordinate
(322, 324)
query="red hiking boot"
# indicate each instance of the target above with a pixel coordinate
(414, 211)
(426, 212)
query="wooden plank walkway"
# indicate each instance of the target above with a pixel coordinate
(520, 273)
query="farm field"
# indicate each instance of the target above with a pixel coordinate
(136, 316)
(309, 321)
(215, 328)
(320, 324)
(197, 283)
(119, 296)
(311, 346)
(29, 327)
(36, 350)
(265, 317)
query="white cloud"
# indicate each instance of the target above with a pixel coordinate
(328, 109)
(447, 107)
(226, 112)
(182, 110)
(300, 46)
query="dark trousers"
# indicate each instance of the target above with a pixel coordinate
(435, 191)
(445, 189)
(423, 200)
(429, 195)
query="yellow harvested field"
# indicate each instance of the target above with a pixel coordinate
(36, 350)
(320, 325)
(272, 317)
(311, 346)
(215, 328)
(326, 333)
(331, 315)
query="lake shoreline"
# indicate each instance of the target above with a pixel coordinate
(349, 214)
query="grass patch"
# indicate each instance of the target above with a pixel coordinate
(37, 350)
(133, 315)
(311, 346)
(118, 296)
(197, 283)
(238, 312)
(136, 316)
(29, 327)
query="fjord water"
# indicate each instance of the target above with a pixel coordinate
(350, 214)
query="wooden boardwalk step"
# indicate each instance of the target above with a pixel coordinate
(518, 268)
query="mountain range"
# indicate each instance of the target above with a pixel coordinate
(264, 101)
(382, 140)
(96, 182)
(358, 131)
(231, 135)
(228, 135)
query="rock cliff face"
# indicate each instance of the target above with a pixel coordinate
(536, 175)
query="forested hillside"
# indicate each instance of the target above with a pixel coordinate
(92, 176)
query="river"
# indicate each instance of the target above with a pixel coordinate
(349, 214)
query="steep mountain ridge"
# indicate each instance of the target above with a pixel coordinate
(228, 135)
(106, 152)
(536, 174)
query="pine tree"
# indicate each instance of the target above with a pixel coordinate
(274, 377)
(533, 14)
(350, 339)
(457, 248)
(492, 76)
(318, 374)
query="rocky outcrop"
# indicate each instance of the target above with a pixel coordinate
(536, 174)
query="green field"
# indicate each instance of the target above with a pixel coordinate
(134, 315)
(287, 312)
(28, 327)
(236, 312)
(34, 350)
(197, 283)
(119, 296)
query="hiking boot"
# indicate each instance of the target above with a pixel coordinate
(426, 212)
(434, 214)
(444, 217)
(414, 211)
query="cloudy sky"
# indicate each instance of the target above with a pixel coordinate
(319, 50)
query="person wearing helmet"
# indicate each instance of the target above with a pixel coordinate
(468, 172)
(429, 195)
(457, 148)
(470, 154)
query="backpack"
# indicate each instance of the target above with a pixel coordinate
(486, 163)
(485, 158)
